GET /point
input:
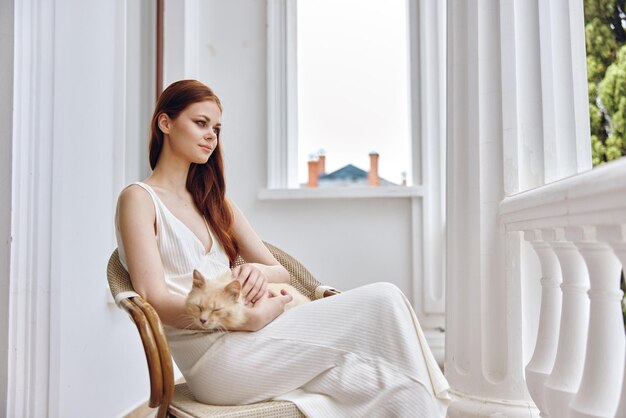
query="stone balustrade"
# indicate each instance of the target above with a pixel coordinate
(577, 228)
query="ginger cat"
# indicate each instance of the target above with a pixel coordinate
(218, 304)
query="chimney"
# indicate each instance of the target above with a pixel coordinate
(313, 173)
(372, 176)
(321, 165)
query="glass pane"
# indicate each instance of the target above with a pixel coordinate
(353, 92)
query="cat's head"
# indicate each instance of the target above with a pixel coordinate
(215, 304)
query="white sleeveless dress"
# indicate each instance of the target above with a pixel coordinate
(358, 354)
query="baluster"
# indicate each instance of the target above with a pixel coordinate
(616, 236)
(621, 410)
(540, 366)
(564, 380)
(600, 387)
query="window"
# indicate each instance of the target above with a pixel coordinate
(423, 140)
(361, 53)
(353, 92)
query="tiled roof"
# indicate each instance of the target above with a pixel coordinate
(347, 172)
(353, 173)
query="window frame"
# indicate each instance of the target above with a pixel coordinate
(282, 101)
(282, 94)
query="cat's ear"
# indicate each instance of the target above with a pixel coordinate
(198, 280)
(233, 289)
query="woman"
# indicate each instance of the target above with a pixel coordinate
(373, 362)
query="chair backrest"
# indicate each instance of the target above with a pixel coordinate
(119, 279)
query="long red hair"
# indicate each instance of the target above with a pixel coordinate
(205, 182)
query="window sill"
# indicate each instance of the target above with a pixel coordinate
(341, 193)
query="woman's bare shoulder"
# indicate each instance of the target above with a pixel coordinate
(134, 199)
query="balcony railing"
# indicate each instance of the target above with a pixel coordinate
(577, 228)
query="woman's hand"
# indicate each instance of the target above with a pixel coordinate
(266, 309)
(253, 282)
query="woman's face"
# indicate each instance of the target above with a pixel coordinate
(193, 134)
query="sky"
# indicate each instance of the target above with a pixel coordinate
(353, 84)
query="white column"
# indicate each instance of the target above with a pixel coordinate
(564, 380)
(484, 355)
(7, 54)
(513, 70)
(600, 387)
(522, 134)
(564, 88)
(540, 366)
(33, 351)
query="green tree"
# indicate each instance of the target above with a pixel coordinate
(612, 92)
(605, 33)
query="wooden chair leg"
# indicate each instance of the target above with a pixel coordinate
(164, 354)
(151, 350)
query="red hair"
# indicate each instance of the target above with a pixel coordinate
(205, 182)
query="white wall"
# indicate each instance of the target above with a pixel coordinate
(6, 124)
(344, 242)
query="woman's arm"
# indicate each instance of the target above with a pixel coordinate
(136, 222)
(262, 267)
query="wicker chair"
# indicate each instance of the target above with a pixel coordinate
(177, 400)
